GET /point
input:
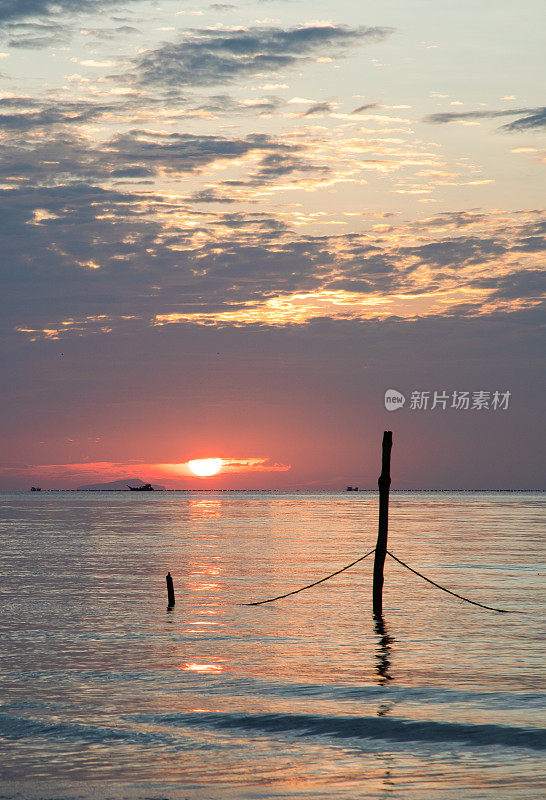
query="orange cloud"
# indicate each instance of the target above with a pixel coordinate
(229, 465)
(252, 465)
(105, 471)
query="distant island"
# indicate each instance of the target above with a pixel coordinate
(117, 486)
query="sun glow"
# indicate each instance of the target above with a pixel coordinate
(205, 466)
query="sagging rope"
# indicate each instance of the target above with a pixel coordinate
(474, 603)
(348, 566)
(310, 585)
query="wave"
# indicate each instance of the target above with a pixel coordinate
(304, 725)
(390, 729)
(436, 695)
(16, 728)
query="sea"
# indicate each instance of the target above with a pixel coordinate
(107, 693)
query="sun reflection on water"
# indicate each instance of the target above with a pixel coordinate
(203, 668)
(203, 509)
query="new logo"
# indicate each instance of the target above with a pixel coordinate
(394, 400)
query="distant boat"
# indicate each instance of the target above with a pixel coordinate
(35, 488)
(352, 488)
(147, 487)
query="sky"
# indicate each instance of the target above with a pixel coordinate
(229, 229)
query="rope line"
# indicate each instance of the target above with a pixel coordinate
(310, 585)
(348, 566)
(474, 603)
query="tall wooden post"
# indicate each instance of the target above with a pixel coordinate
(170, 590)
(384, 483)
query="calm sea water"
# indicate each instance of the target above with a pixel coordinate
(107, 694)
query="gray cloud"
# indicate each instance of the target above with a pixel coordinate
(525, 283)
(365, 107)
(318, 108)
(277, 165)
(529, 122)
(185, 152)
(144, 268)
(456, 219)
(529, 118)
(46, 278)
(111, 33)
(24, 114)
(532, 244)
(75, 248)
(463, 250)
(69, 157)
(209, 196)
(205, 57)
(21, 9)
(35, 24)
(35, 34)
(226, 104)
(81, 252)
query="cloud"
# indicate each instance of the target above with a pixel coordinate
(185, 152)
(365, 107)
(134, 154)
(25, 114)
(80, 260)
(529, 118)
(318, 109)
(22, 113)
(279, 165)
(534, 120)
(104, 471)
(35, 34)
(126, 232)
(453, 253)
(252, 465)
(209, 196)
(229, 466)
(225, 104)
(110, 33)
(21, 9)
(49, 23)
(454, 219)
(528, 283)
(205, 57)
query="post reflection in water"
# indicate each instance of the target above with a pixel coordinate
(382, 670)
(383, 652)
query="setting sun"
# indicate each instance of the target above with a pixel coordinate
(205, 466)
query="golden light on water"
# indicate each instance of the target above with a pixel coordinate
(203, 467)
(202, 668)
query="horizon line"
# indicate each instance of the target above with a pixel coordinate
(211, 489)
